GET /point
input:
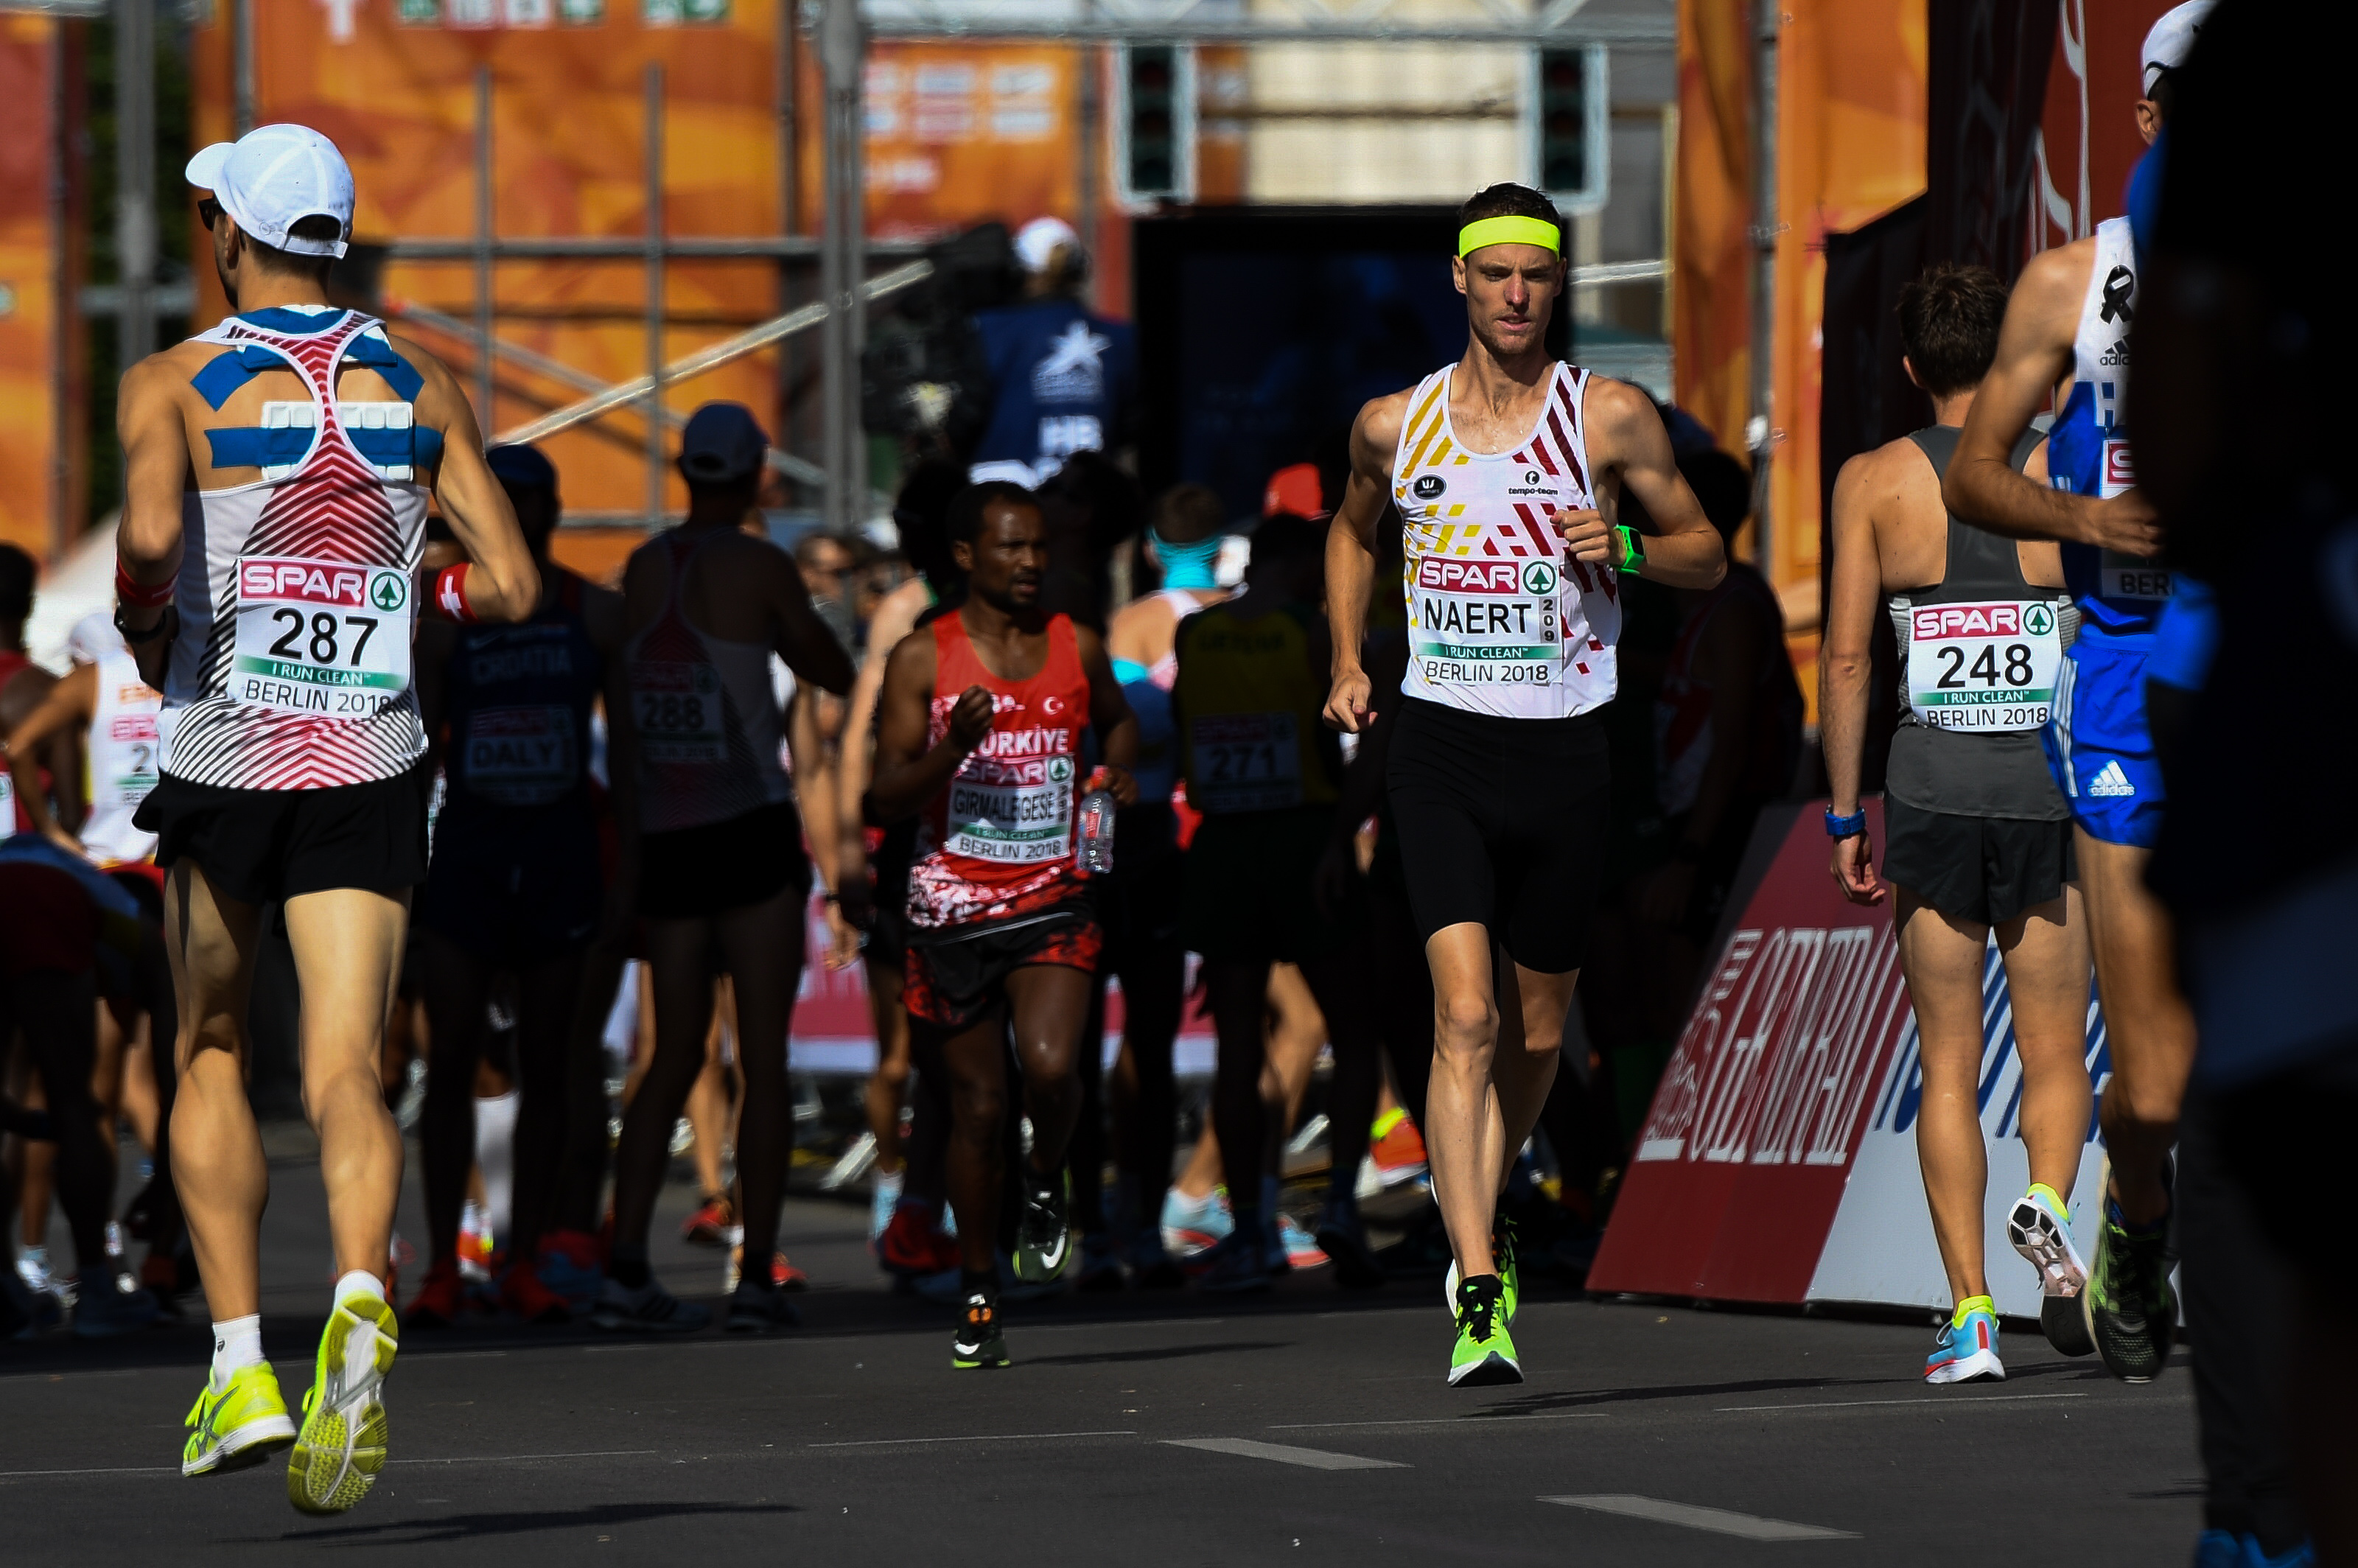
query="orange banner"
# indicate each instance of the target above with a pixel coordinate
(1711, 246)
(1852, 79)
(41, 388)
(394, 86)
(957, 135)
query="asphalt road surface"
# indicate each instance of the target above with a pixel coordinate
(1307, 1426)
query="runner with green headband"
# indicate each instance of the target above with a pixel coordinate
(1509, 468)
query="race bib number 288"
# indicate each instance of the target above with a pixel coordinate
(327, 638)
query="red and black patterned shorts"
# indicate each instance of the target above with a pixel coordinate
(953, 984)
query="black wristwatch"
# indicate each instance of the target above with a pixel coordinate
(165, 625)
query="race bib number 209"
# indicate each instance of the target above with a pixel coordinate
(327, 638)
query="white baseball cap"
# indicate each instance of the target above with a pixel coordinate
(1036, 243)
(2170, 41)
(93, 638)
(273, 177)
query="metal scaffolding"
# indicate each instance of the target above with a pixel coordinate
(841, 30)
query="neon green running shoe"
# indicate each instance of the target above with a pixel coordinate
(342, 1443)
(1502, 1254)
(236, 1427)
(1484, 1353)
(2131, 1313)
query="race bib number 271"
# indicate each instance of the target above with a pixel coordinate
(327, 638)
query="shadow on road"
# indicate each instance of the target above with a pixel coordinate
(467, 1527)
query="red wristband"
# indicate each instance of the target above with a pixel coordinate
(450, 593)
(140, 595)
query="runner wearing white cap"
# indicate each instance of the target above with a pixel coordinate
(2068, 323)
(279, 467)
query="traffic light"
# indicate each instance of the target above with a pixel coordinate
(1155, 123)
(1573, 126)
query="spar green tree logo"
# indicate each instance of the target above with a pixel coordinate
(2039, 620)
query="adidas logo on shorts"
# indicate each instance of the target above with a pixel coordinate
(2110, 780)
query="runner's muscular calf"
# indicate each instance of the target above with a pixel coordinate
(347, 942)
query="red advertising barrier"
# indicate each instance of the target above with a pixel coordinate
(1749, 1145)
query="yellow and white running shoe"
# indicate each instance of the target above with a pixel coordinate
(342, 1446)
(238, 1426)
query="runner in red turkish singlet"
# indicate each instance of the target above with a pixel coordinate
(269, 571)
(979, 735)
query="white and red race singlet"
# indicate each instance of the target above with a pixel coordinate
(298, 592)
(997, 843)
(1500, 619)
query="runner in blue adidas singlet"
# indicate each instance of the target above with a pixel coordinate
(2067, 324)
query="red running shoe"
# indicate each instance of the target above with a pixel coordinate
(785, 1276)
(439, 1301)
(714, 1225)
(913, 1246)
(522, 1294)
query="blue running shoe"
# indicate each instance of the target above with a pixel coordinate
(2225, 1549)
(1965, 1351)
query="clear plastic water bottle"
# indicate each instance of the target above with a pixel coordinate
(1097, 832)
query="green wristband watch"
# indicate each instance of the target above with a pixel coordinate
(1632, 554)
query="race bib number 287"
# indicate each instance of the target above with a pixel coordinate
(327, 638)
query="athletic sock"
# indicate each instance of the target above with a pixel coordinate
(2152, 1228)
(237, 1345)
(628, 1268)
(1971, 1305)
(2054, 1200)
(359, 1282)
(1247, 1217)
(495, 1120)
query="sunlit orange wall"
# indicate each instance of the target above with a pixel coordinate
(38, 449)
(1850, 135)
(568, 127)
(1711, 253)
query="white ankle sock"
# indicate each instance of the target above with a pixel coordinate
(359, 1282)
(237, 1344)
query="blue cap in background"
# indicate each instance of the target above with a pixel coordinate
(721, 443)
(521, 465)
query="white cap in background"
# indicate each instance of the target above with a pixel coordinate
(94, 637)
(273, 177)
(2170, 41)
(1037, 242)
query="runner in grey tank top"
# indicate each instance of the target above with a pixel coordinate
(1979, 839)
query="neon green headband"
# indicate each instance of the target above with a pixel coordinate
(1508, 231)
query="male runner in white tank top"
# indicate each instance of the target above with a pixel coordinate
(2067, 326)
(278, 472)
(1507, 468)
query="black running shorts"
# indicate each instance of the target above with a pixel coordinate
(1984, 869)
(690, 873)
(1498, 822)
(516, 885)
(956, 981)
(259, 846)
(887, 946)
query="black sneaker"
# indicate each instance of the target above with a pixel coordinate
(757, 1306)
(1044, 1235)
(2132, 1314)
(978, 1343)
(1342, 1238)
